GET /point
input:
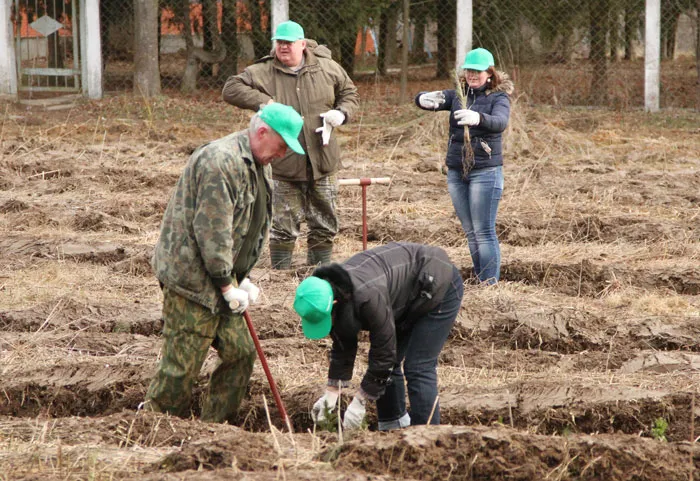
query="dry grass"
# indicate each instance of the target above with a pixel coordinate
(599, 229)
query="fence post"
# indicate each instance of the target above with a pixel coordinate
(280, 13)
(91, 48)
(8, 68)
(464, 30)
(652, 55)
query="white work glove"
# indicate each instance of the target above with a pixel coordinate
(331, 119)
(467, 117)
(252, 290)
(432, 100)
(237, 300)
(326, 403)
(354, 414)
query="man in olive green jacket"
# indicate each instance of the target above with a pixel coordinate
(212, 233)
(302, 74)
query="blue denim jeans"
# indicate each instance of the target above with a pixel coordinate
(476, 203)
(419, 349)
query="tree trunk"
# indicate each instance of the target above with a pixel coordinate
(105, 21)
(598, 14)
(392, 22)
(630, 29)
(419, 14)
(697, 54)
(146, 67)
(209, 31)
(195, 56)
(347, 51)
(381, 54)
(261, 36)
(229, 38)
(445, 37)
(614, 29)
(403, 95)
(668, 30)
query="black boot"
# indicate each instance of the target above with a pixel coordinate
(319, 255)
(281, 256)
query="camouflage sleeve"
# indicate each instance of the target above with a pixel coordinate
(347, 99)
(244, 92)
(213, 219)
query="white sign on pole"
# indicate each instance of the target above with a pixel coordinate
(46, 25)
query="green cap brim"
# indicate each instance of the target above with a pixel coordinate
(287, 38)
(475, 66)
(293, 143)
(316, 330)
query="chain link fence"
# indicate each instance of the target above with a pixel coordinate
(568, 52)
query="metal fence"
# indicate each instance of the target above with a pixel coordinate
(570, 52)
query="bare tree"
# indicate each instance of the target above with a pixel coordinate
(697, 54)
(404, 52)
(197, 55)
(419, 17)
(146, 66)
(598, 29)
(633, 13)
(229, 39)
(445, 38)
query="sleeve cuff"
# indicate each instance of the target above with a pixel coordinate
(338, 383)
(222, 281)
(367, 396)
(373, 387)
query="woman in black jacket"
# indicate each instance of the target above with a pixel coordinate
(476, 187)
(407, 296)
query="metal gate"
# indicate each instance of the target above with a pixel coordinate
(46, 44)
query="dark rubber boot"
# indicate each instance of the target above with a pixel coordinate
(319, 255)
(281, 257)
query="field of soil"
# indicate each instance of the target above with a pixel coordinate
(583, 363)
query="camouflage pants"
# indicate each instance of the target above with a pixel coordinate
(188, 332)
(314, 202)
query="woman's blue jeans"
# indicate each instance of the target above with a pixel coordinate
(419, 348)
(475, 200)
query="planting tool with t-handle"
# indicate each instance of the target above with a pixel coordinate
(364, 182)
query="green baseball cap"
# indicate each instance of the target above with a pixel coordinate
(314, 303)
(289, 31)
(284, 120)
(478, 59)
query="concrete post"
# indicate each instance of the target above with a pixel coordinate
(464, 30)
(91, 48)
(8, 67)
(280, 13)
(652, 55)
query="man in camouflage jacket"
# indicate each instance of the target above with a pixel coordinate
(302, 74)
(212, 233)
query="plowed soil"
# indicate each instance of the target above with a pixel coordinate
(582, 363)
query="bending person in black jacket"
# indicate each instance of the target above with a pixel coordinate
(407, 296)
